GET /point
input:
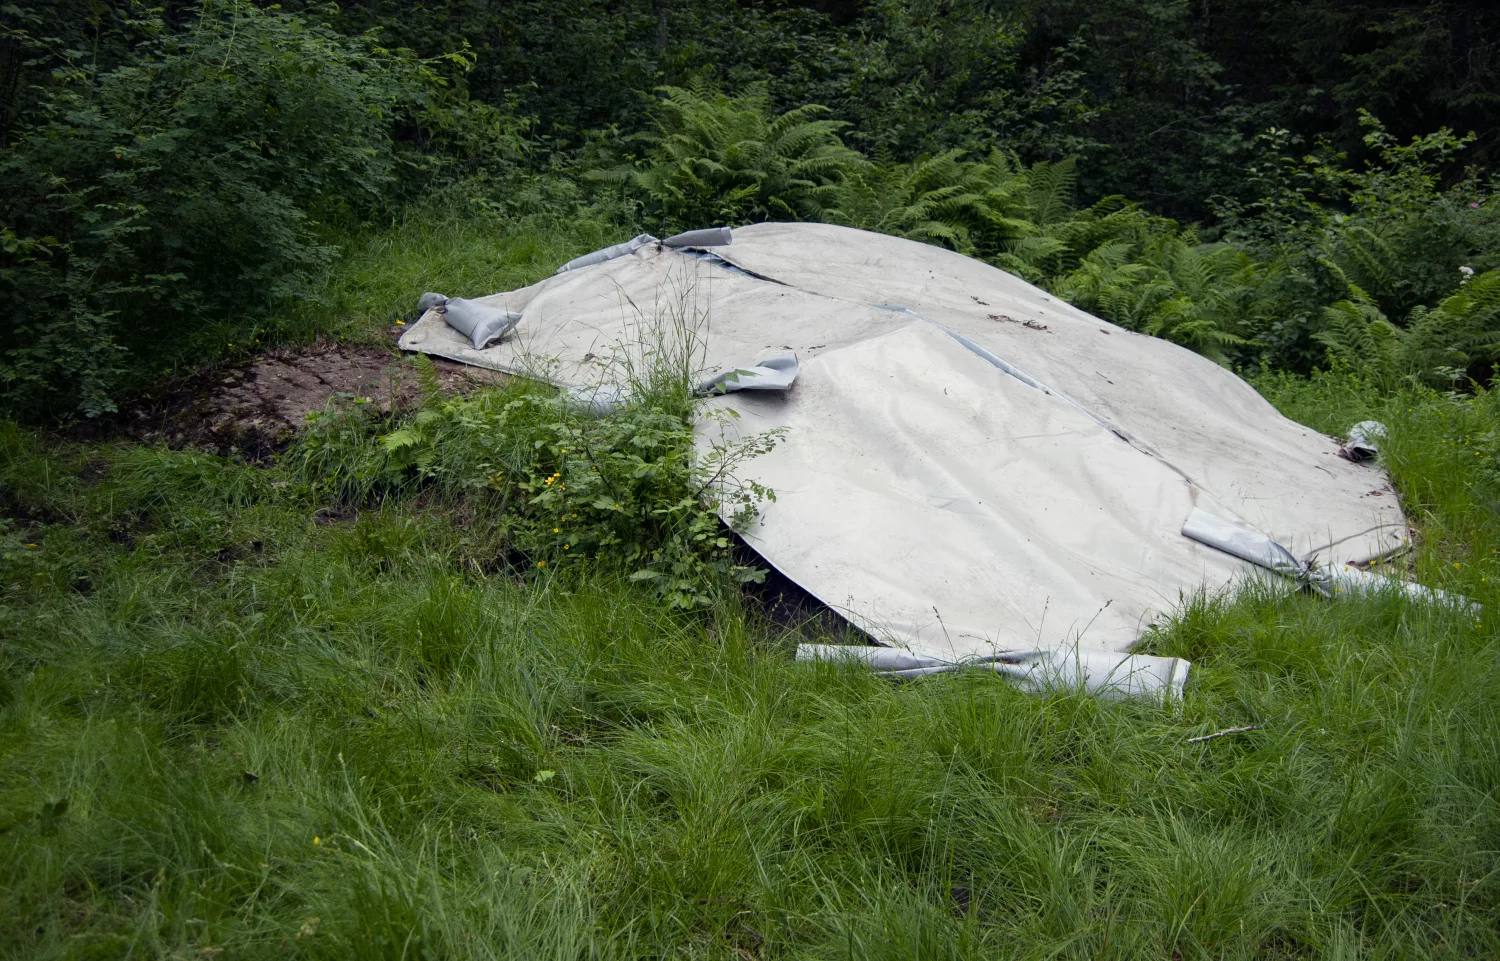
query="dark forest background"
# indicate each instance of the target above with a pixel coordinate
(1282, 184)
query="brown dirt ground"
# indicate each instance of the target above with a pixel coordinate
(255, 407)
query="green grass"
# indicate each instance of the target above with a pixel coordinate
(383, 269)
(238, 719)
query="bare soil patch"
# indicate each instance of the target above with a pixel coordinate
(256, 407)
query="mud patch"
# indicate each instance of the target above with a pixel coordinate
(255, 408)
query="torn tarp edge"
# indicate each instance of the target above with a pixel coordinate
(774, 373)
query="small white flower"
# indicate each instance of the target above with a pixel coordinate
(1468, 274)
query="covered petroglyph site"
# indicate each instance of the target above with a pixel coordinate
(786, 479)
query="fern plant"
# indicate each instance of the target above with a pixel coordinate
(1170, 287)
(969, 206)
(1437, 346)
(716, 159)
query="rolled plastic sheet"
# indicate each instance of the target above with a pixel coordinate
(1110, 674)
(1330, 581)
(707, 237)
(608, 253)
(773, 373)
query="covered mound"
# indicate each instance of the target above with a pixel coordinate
(969, 464)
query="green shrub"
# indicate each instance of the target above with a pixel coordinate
(991, 206)
(1344, 248)
(562, 487)
(623, 492)
(1171, 287)
(183, 188)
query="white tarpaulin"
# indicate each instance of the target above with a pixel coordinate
(969, 465)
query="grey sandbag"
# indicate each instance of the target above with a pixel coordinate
(707, 237)
(1241, 542)
(481, 323)
(774, 373)
(608, 253)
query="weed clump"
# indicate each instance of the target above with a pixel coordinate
(564, 489)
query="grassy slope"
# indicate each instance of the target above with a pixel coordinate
(384, 271)
(229, 724)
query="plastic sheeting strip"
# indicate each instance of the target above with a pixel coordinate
(1101, 673)
(1263, 551)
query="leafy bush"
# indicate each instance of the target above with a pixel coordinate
(563, 487)
(989, 207)
(1387, 240)
(182, 188)
(1170, 287)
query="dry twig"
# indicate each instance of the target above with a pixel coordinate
(1225, 733)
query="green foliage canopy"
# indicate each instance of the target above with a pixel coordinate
(187, 184)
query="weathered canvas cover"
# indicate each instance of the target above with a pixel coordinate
(969, 463)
